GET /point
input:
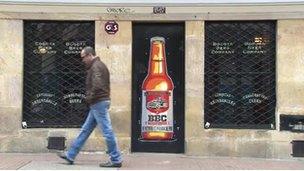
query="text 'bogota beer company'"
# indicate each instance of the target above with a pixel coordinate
(157, 95)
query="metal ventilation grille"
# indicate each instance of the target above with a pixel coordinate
(54, 76)
(240, 74)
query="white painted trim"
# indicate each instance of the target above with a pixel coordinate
(139, 3)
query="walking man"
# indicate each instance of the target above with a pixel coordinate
(98, 98)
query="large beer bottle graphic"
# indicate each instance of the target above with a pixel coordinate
(157, 96)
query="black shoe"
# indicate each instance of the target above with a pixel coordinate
(110, 164)
(63, 156)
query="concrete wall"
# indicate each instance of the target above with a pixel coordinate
(116, 51)
(11, 75)
(250, 143)
(144, 11)
(290, 62)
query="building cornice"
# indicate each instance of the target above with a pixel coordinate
(138, 12)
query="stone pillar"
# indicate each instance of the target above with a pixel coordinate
(290, 67)
(11, 75)
(115, 50)
(194, 80)
(11, 78)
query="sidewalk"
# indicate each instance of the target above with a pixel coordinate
(49, 161)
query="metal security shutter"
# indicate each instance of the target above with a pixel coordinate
(54, 76)
(240, 74)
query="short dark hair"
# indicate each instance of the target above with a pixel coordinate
(88, 49)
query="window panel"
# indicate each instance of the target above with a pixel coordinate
(54, 76)
(240, 74)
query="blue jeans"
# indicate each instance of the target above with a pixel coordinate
(98, 115)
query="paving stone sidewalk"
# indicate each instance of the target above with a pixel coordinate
(145, 161)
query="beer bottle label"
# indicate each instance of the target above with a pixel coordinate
(157, 111)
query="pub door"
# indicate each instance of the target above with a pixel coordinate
(158, 115)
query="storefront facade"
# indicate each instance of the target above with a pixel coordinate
(235, 69)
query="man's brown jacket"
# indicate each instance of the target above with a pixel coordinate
(97, 82)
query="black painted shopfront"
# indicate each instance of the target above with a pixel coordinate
(239, 76)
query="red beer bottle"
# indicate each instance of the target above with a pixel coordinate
(157, 96)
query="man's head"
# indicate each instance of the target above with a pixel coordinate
(87, 55)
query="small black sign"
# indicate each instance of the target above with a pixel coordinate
(56, 143)
(294, 123)
(297, 148)
(159, 10)
(111, 27)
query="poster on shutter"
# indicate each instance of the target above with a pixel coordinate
(157, 96)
